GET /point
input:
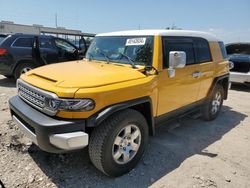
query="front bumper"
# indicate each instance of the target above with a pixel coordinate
(50, 134)
(239, 77)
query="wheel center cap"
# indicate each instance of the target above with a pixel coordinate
(124, 143)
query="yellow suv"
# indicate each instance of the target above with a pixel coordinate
(112, 100)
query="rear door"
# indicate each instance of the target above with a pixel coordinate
(207, 67)
(21, 49)
(182, 89)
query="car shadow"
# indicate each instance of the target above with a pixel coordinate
(240, 87)
(7, 82)
(166, 151)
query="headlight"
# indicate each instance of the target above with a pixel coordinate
(70, 104)
(231, 65)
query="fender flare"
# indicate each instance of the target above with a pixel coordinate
(224, 81)
(96, 119)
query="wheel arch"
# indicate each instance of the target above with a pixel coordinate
(143, 105)
(224, 82)
(19, 62)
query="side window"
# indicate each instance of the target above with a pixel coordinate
(223, 50)
(178, 45)
(202, 50)
(45, 43)
(23, 42)
(65, 46)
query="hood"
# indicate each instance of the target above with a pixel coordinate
(239, 58)
(85, 74)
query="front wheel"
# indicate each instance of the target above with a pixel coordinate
(213, 105)
(117, 145)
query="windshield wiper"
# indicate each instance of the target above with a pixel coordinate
(131, 61)
(104, 54)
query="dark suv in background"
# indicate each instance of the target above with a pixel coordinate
(21, 52)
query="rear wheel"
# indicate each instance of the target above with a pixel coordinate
(22, 68)
(213, 105)
(118, 144)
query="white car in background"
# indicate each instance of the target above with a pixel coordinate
(239, 54)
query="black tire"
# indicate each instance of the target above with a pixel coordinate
(208, 110)
(21, 67)
(102, 139)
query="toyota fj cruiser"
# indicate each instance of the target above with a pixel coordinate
(112, 100)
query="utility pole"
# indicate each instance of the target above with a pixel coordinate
(56, 19)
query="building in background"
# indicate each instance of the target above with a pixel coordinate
(72, 35)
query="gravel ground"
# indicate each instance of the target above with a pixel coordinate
(194, 154)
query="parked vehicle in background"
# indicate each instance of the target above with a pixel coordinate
(2, 37)
(129, 83)
(20, 53)
(239, 54)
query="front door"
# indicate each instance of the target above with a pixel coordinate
(67, 51)
(183, 88)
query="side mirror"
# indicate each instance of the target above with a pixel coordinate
(177, 59)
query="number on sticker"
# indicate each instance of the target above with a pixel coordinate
(135, 41)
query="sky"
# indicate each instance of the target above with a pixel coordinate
(229, 20)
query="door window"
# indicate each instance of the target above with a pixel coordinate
(65, 46)
(45, 43)
(223, 50)
(202, 50)
(23, 42)
(178, 45)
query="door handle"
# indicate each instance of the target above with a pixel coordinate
(196, 74)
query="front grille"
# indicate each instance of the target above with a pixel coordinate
(36, 97)
(31, 96)
(243, 67)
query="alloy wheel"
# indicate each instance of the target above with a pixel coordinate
(216, 102)
(126, 144)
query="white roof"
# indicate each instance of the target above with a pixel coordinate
(162, 32)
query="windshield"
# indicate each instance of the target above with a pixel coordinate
(122, 49)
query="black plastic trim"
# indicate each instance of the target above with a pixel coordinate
(218, 80)
(43, 125)
(175, 114)
(103, 114)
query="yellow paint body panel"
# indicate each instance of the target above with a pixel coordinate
(112, 83)
(178, 91)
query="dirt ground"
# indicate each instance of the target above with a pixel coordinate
(194, 154)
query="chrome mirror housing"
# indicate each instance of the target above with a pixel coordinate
(177, 59)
